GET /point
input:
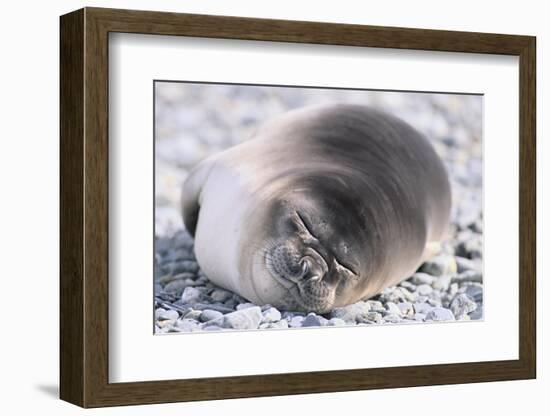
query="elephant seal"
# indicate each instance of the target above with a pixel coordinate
(321, 208)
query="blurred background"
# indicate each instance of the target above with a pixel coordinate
(193, 121)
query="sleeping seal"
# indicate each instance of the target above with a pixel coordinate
(321, 208)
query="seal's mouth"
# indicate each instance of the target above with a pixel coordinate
(315, 297)
(302, 277)
(307, 296)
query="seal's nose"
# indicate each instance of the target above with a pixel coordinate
(332, 276)
(315, 277)
(313, 267)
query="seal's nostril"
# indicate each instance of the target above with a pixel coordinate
(315, 277)
(306, 267)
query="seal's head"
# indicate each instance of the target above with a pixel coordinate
(309, 256)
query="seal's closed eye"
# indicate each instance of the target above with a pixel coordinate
(348, 269)
(303, 229)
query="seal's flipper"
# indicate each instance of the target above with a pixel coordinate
(191, 193)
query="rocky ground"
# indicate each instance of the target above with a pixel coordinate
(447, 288)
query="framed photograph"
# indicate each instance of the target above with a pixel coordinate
(255, 207)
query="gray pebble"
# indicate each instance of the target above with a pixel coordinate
(472, 248)
(408, 295)
(202, 280)
(477, 226)
(440, 314)
(440, 265)
(423, 308)
(162, 245)
(442, 283)
(296, 321)
(435, 302)
(453, 289)
(406, 309)
(184, 276)
(352, 312)
(191, 295)
(436, 294)
(395, 295)
(231, 304)
(238, 299)
(376, 306)
(211, 328)
(312, 320)
(177, 254)
(171, 315)
(478, 313)
(184, 266)
(336, 322)
(279, 325)
(213, 322)
(245, 306)
(424, 290)
(469, 276)
(393, 318)
(271, 315)
(166, 315)
(408, 285)
(193, 314)
(392, 308)
(422, 279)
(421, 317)
(248, 318)
(209, 314)
(174, 329)
(161, 329)
(462, 305)
(191, 282)
(274, 325)
(288, 315)
(467, 216)
(463, 264)
(371, 318)
(165, 279)
(182, 240)
(214, 306)
(464, 235)
(220, 295)
(282, 324)
(175, 286)
(475, 292)
(159, 312)
(187, 325)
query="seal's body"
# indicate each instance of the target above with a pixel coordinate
(323, 207)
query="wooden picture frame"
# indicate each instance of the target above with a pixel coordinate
(84, 207)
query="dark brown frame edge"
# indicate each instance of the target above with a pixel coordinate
(84, 207)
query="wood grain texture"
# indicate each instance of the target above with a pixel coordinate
(96, 219)
(84, 206)
(528, 208)
(71, 322)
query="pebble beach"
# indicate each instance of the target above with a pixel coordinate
(194, 121)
